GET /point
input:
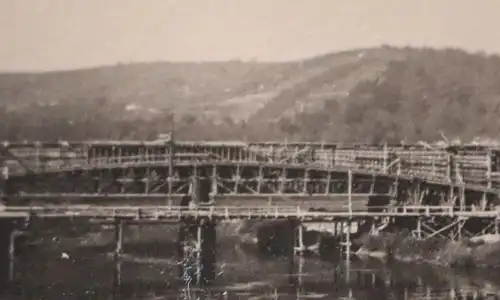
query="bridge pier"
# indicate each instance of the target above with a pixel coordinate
(7, 253)
(117, 279)
(295, 274)
(347, 247)
(197, 239)
(119, 224)
(298, 238)
(197, 251)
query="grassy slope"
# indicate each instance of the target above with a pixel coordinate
(239, 88)
(151, 85)
(364, 95)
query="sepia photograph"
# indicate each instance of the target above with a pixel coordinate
(249, 149)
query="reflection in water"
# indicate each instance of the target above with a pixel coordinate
(242, 274)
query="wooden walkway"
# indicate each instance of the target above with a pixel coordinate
(227, 213)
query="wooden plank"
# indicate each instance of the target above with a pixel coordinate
(264, 212)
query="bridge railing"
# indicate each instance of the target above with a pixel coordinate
(138, 159)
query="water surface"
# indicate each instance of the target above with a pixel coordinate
(150, 271)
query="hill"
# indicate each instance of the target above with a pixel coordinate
(370, 95)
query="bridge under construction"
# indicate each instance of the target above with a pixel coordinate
(434, 191)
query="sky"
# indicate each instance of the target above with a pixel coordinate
(40, 35)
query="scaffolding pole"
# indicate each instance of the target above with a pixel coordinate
(349, 190)
(118, 238)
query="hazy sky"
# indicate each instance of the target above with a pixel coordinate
(65, 34)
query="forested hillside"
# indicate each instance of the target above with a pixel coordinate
(371, 95)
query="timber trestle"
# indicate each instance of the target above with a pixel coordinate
(432, 191)
(97, 171)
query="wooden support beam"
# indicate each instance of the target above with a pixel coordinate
(385, 159)
(419, 228)
(260, 179)
(237, 178)
(170, 147)
(282, 180)
(300, 270)
(349, 189)
(451, 199)
(301, 247)
(198, 253)
(462, 197)
(396, 188)
(215, 187)
(443, 229)
(341, 238)
(450, 169)
(489, 166)
(147, 183)
(484, 201)
(459, 229)
(117, 278)
(12, 256)
(118, 237)
(348, 251)
(416, 193)
(427, 227)
(305, 181)
(37, 158)
(373, 182)
(328, 183)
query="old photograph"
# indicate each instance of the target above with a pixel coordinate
(249, 149)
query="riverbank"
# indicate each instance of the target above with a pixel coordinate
(482, 251)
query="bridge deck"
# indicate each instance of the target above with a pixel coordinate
(227, 213)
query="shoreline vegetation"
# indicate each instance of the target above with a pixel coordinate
(478, 252)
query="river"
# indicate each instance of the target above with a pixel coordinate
(149, 271)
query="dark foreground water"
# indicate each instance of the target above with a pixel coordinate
(150, 272)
